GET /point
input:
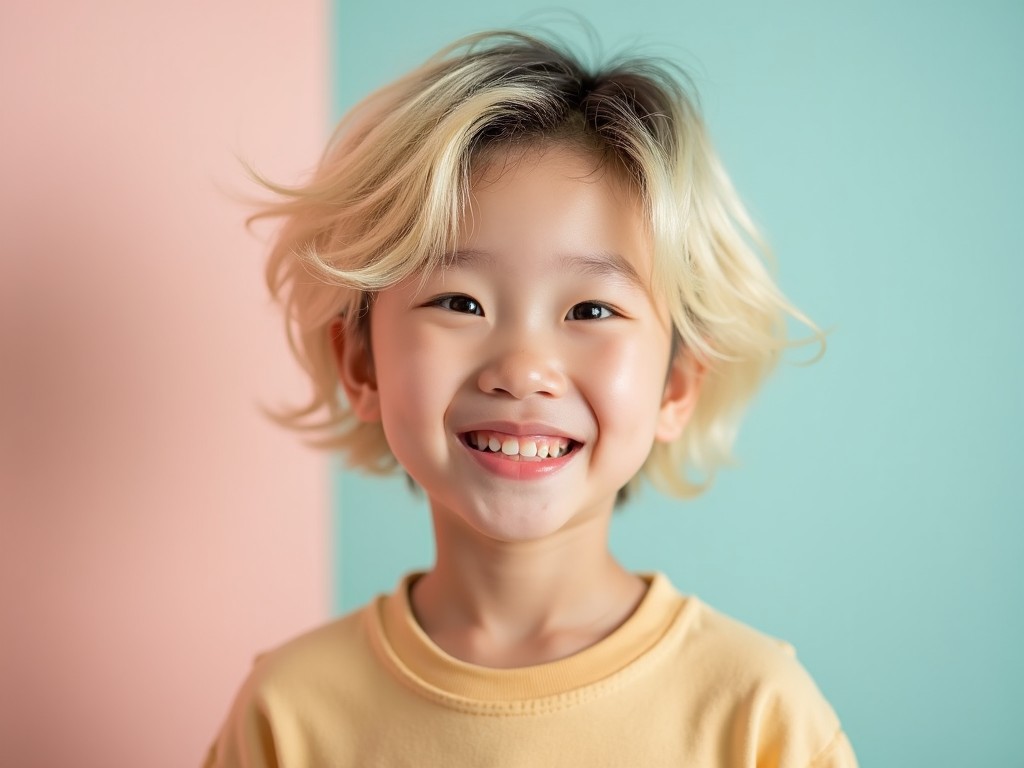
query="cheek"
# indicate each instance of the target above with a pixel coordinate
(628, 376)
(398, 363)
(415, 386)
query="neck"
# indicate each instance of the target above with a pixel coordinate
(510, 604)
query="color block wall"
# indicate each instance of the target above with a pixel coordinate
(156, 531)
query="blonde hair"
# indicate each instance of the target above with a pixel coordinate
(388, 195)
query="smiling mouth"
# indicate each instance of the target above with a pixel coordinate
(520, 448)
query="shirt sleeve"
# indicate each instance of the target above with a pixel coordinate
(787, 722)
(838, 754)
(246, 740)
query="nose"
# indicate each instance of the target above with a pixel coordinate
(521, 373)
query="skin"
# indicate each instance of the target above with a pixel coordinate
(545, 328)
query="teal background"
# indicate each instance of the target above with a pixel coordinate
(874, 519)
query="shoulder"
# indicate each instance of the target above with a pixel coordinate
(337, 652)
(297, 694)
(311, 652)
(739, 652)
(764, 695)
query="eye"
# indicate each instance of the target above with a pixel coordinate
(460, 303)
(590, 310)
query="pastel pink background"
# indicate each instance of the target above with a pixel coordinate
(156, 531)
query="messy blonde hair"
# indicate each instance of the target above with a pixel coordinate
(388, 196)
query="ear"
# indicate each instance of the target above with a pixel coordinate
(355, 370)
(682, 388)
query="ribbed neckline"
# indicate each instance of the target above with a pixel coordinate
(425, 664)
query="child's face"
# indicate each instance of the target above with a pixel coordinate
(543, 337)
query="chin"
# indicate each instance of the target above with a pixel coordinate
(519, 531)
(521, 523)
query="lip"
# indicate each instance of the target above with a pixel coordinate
(519, 429)
(495, 464)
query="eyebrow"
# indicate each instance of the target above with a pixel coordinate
(597, 264)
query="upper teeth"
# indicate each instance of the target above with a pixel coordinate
(526, 447)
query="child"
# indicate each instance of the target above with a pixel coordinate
(534, 283)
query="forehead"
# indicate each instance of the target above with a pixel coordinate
(560, 204)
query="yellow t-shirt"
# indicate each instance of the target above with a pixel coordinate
(678, 684)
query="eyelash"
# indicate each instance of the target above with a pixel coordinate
(604, 310)
(445, 302)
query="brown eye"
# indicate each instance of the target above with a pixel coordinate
(589, 310)
(459, 303)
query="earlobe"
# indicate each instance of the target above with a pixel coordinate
(682, 388)
(355, 370)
